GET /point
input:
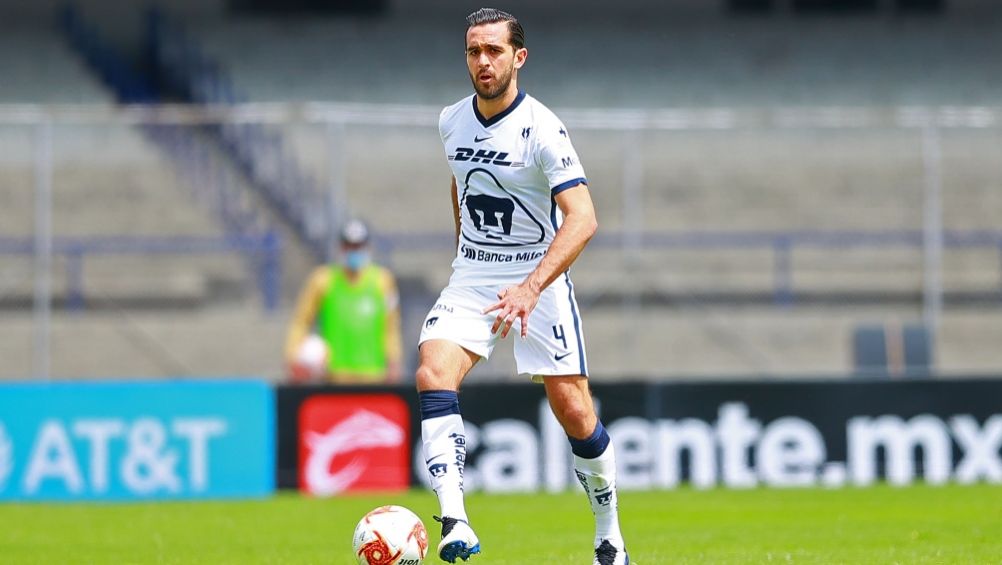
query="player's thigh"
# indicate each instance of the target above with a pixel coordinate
(455, 335)
(554, 344)
(443, 365)
(457, 316)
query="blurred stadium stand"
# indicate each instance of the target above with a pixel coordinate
(122, 189)
(37, 66)
(133, 233)
(659, 62)
(763, 248)
(183, 72)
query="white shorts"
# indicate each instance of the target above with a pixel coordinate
(554, 345)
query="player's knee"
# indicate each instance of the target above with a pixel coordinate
(576, 418)
(429, 377)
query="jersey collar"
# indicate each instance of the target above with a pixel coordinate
(500, 115)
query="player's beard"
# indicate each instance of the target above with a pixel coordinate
(501, 84)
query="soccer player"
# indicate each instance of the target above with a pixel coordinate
(523, 214)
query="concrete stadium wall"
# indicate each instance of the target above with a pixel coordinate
(109, 11)
(580, 10)
(112, 11)
(601, 10)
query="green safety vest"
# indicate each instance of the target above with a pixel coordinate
(352, 321)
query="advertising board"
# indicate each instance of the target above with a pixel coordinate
(136, 440)
(730, 434)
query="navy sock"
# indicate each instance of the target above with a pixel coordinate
(593, 445)
(436, 403)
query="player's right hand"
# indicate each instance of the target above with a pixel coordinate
(514, 303)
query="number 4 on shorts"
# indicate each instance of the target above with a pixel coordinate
(558, 333)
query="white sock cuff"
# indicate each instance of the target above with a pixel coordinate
(604, 465)
(436, 428)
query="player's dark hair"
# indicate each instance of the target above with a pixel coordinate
(516, 35)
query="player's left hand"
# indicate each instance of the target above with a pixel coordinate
(514, 303)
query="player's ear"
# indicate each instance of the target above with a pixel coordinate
(520, 55)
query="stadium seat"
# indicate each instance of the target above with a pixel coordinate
(892, 350)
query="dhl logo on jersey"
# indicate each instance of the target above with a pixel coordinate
(484, 156)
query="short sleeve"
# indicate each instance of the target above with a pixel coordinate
(558, 158)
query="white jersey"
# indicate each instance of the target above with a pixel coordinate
(508, 169)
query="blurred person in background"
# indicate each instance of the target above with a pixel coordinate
(355, 308)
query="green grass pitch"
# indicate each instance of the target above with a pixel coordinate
(921, 524)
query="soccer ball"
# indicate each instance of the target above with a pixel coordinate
(390, 535)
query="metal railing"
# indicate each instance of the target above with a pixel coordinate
(782, 245)
(263, 253)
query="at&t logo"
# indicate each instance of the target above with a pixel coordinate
(99, 456)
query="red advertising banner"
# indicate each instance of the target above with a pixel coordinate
(353, 443)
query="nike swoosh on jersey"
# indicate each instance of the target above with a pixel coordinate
(426, 461)
(479, 139)
(559, 357)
